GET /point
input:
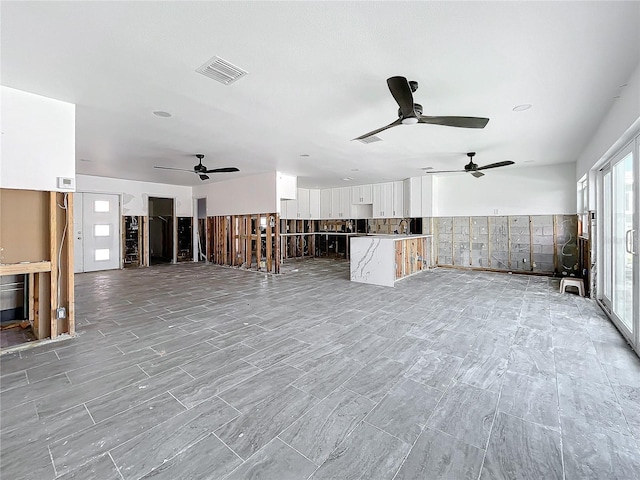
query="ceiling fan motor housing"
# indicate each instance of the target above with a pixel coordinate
(417, 108)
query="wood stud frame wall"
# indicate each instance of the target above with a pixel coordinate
(238, 241)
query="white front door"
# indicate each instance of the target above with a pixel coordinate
(101, 231)
(78, 247)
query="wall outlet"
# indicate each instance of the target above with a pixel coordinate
(61, 313)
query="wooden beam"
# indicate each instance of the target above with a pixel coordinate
(53, 254)
(269, 242)
(145, 236)
(69, 243)
(25, 268)
(276, 241)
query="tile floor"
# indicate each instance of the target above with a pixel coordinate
(201, 372)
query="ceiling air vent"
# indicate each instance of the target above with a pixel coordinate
(371, 139)
(221, 70)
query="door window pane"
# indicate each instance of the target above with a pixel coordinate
(101, 206)
(101, 230)
(101, 254)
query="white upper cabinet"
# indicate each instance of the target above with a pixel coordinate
(398, 199)
(413, 197)
(291, 209)
(314, 204)
(303, 204)
(362, 194)
(325, 203)
(382, 200)
(345, 203)
(427, 196)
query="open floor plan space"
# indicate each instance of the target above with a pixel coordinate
(195, 371)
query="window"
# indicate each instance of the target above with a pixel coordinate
(101, 254)
(583, 206)
(101, 230)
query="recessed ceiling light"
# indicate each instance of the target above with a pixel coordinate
(160, 113)
(354, 169)
(304, 154)
(522, 108)
(347, 179)
(623, 85)
(427, 168)
(617, 96)
(85, 160)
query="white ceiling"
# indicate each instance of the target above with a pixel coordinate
(317, 79)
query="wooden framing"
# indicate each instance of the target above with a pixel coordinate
(236, 240)
(53, 255)
(69, 245)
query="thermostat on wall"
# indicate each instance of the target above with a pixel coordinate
(66, 183)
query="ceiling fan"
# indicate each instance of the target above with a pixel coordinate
(201, 170)
(410, 113)
(473, 168)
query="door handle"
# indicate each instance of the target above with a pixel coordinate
(629, 237)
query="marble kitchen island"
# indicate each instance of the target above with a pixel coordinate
(385, 259)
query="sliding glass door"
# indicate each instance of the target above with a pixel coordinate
(619, 241)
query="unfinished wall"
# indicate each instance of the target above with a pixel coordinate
(518, 243)
(38, 135)
(135, 194)
(549, 189)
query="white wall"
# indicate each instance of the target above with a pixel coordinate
(616, 128)
(549, 189)
(135, 194)
(240, 196)
(38, 141)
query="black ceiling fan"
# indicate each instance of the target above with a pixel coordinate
(473, 168)
(201, 170)
(410, 113)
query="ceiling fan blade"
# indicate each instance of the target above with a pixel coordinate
(463, 122)
(494, 165)
(393, 124)
(477, 174)
(401, 91)
(203, 176)
(171, 168)
(221, 170)
(444, 171)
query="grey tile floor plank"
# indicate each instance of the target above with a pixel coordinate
(218, 359)
(202, 388)
(18, 417)
(438, 456)
(597, 454)
(407, 350)
(114, 365)
(367, 453)
(374, 380)
(313, 356)
(258, 426)
(134, 394)
(328, 376)
(260, 387)
(532, 362)
(531, 398)
(28, 464)
(237, 336)
(629, 399)
(63, 399)
(522, 450)
(74, 451)
(14, 363)
(483, 371)
(613, 353)
(12, 380)
(435, 369)
(34, 391)
(276, 353)
(207, 459)
(572, 340)
(452, 343)
(466, 413)
(151, 449)
(42, 432)
(623, 376)
(591, 403)
(404, 411)
(368, 348)
(533, 338)
(275, 461)
(178, 358)
(317, 433)
(580, 364)
(102, 468)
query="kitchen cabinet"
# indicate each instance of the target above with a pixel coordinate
(325, 203)
(412, 197)
(314, 204)
(388, 200)
(362, 194)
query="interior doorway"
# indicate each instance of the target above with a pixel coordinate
(200, 237)
(161, 230)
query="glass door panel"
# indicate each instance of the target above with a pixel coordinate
(606, 239)
(622, 236)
